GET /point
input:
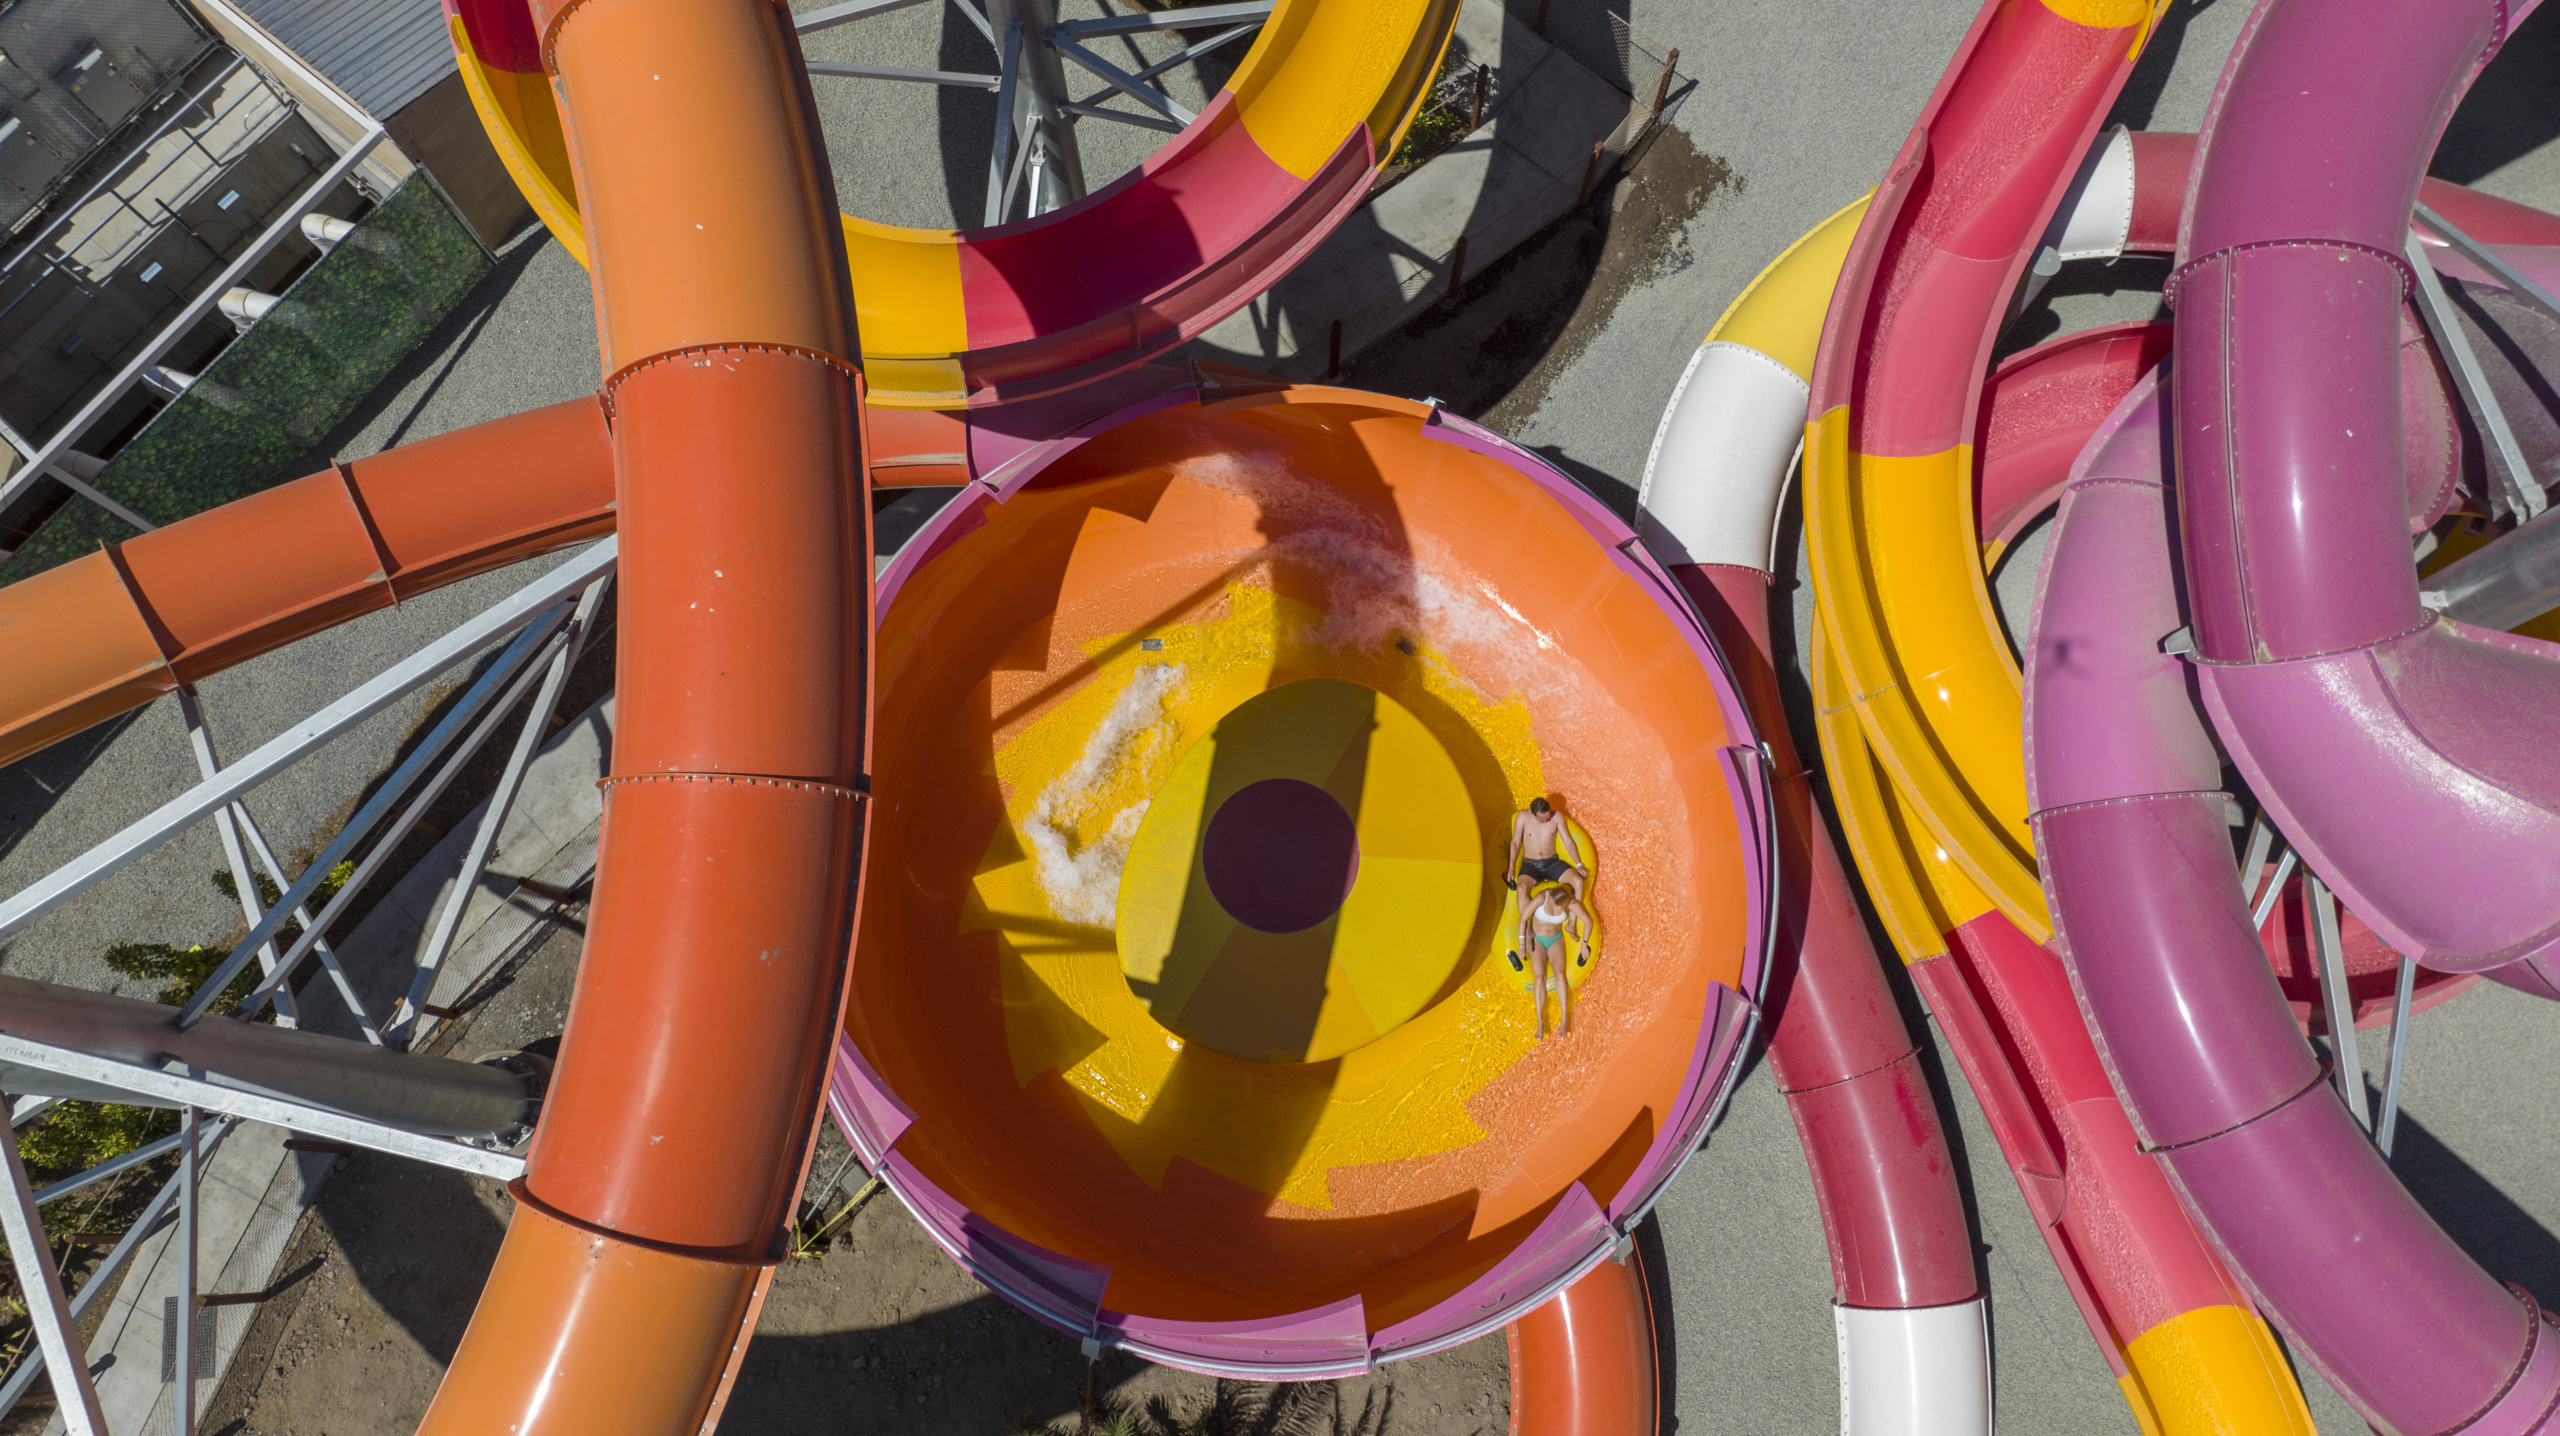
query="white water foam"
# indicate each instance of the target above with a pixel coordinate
(1384, 582)
(1083, 885)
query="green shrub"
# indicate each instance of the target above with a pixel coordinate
(257, 410)
(1442, 121)
(76, 1136)
(184, 969)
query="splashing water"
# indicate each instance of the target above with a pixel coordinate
(1384, 582)
(1083, 884)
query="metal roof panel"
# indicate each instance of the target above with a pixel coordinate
(383, 53)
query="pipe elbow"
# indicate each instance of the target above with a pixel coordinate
(2411, 775)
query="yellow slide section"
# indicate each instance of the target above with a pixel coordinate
(1322, 68)
(1779, 313)
(1897, 569)
(1075, 773)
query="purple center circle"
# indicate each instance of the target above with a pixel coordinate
(1280, 855)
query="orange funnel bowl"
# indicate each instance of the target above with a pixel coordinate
(1184, 1011)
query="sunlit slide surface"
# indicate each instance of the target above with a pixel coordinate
(1182, 1009)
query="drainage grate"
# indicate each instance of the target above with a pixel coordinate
(169, 1342)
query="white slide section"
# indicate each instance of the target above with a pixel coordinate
(2097, 219)
(1712, 482)
(1923, 1372)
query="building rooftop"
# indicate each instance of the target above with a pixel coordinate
(383, 53)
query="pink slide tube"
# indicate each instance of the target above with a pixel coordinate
(2137, 862)
(2412, 762)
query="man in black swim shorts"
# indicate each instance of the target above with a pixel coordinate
(1537, 832)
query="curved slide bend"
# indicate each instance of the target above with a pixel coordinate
(1889, 450)
(2403, 754)
(1918, 687)
(687, 1086)
(1125, 1092)
(974, 317)
(2127, 781)
(1583, 1364)
(2197, 1035)
(2039, 408)
(1914, 1343)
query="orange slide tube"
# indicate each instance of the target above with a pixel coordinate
(107, 633)
(1583, 1364)
(678, 1124)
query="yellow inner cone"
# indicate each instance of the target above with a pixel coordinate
(1399, 934)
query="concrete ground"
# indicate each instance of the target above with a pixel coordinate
(1572, 345)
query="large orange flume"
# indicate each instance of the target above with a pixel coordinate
(672, 1145)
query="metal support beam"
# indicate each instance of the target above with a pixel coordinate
(976, 17)
(57, 1327)
(146, 834)
(384, 797)
(2492, 261)
(2346, 1060)
(493, 714)
(190, 1163)
(170, 1089)
(62, 475)
(2274, 892)
(319, 945)
(845, 71)
(1012, 180)
(102, 1280)
(1096, 112)
(243, 881)
(1188, 18)
(148, 1152)
(1001, 160)
(1054, 178)
(846, 14)
(2402, 993)
(2505, 583)
(436, 1096)
(2522, 493)
(1123, 81)
(1188, 53)
(405, 1031)
(2262, 838)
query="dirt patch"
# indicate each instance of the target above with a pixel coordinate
(875, 1328)
(882, 1323)
(1493, 350)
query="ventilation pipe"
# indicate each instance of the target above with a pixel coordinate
(245, 306)
(325, 232)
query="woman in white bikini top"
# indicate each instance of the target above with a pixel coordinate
(1547, 915)
(1547, 927)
